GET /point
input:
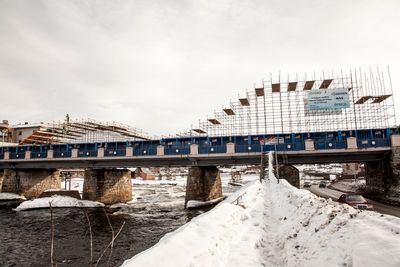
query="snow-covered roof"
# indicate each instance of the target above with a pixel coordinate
(27, 126)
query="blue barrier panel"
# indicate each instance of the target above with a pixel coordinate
(17, 155)
(17, 152)
(269, 148)
(62, 154)
(249, 148)
(61, 151)
(284, 147)
(373, 143)
(216, 149)
(203, 149)
(330, 145)
(341, 145)
(362, 143)
(242, 148)
(212, 149)
(38, 155)
(255, 147)
(299, 146)
(87, 150)
(177, 150)
(319, 145)
(150, 151)
(85, 153)
(38, 152)
(114, 152)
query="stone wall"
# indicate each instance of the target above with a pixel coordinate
(1, 179)
(203, 184)
(10, 183)
(30, 183)
(290, 174)
(378, 175)
(90, 184)
(395, 165)
(107, 185)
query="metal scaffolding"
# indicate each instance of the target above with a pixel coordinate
(278, 107)
(84, 131)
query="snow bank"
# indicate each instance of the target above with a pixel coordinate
(311, 231)
(11, 196)
(275, 224)
(204, 241)
(57, 202)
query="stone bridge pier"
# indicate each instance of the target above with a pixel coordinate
(109, 186)
(30, 183)
(289, 173)
(1, 179)
(395, 166)
(384, 176)
(203, 184)
(378, 175)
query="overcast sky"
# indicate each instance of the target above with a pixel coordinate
(163, 65)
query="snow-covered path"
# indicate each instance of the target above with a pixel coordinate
(256, 245)
(274, 224)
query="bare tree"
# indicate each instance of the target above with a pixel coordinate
(52, 237)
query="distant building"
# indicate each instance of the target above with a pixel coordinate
(20, 132)
(5, 133)
(144, 174)
(352, 170)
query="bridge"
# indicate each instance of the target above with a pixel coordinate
(339, 147)
(332, 120)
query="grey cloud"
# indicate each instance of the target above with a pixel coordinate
(162, 65)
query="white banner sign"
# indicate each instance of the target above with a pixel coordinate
(321, 99)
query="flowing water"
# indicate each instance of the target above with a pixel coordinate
(157, 209)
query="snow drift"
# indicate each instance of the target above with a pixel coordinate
(275, 224)
(57, 202)
(11, 196)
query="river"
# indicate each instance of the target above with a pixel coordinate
(157, 209)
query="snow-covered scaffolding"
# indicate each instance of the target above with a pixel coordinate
(84, 130)
(289, 105)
